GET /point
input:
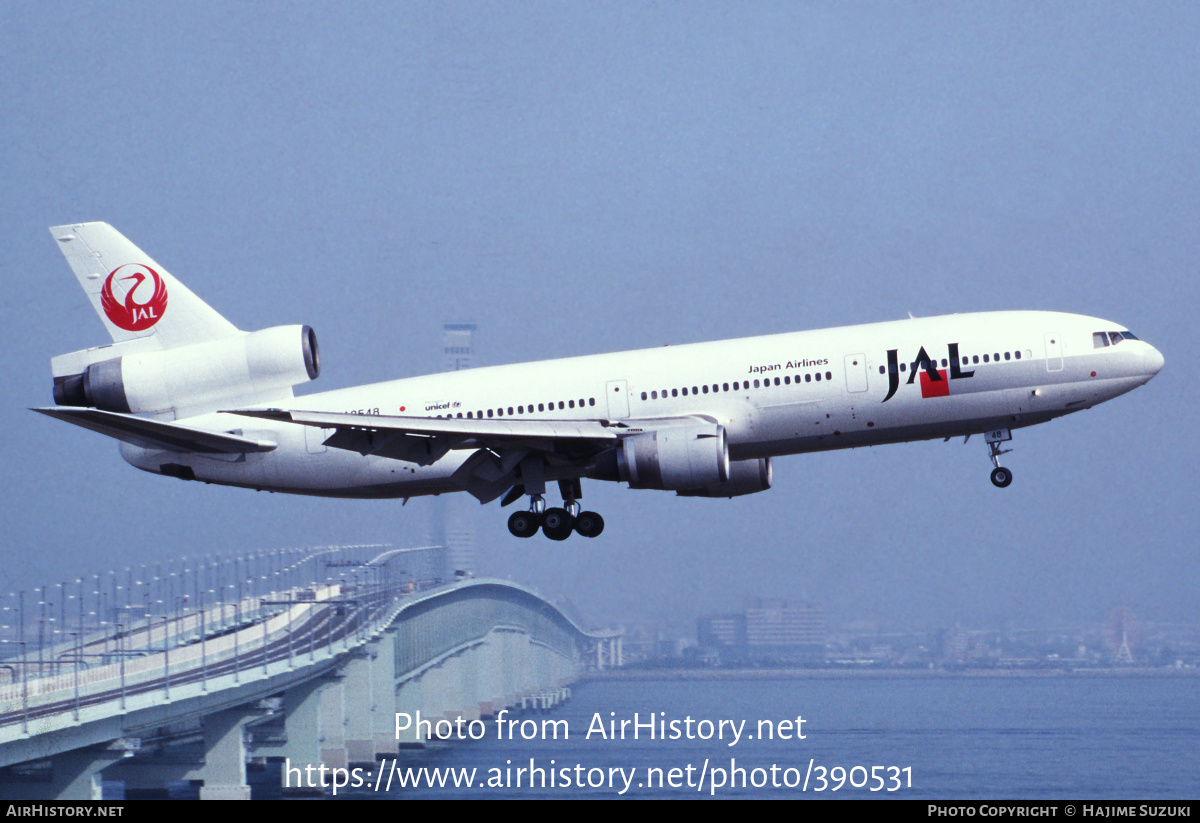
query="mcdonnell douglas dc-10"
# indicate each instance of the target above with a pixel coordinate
(190, 396)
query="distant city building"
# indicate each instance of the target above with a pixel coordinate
(454, 515)
(458, 346)
(768, 632)
(724, 635)
(785, 632)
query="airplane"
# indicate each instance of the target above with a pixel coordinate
(190, 396)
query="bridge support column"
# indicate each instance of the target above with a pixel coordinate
(302, 728)
(409, 700)
(224, 769)
(75, 775)
(359, 685)
(470, 674)
(383, 673)
(333, 727)
(489, 694)
(370, 686)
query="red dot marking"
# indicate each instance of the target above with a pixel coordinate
(402, 408)
(1093, 374)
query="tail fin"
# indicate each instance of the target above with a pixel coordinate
(134, 296)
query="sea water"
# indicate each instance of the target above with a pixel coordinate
(961, 737)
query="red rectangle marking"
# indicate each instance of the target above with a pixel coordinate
(935, 388)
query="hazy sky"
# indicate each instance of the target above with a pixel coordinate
(580, 178)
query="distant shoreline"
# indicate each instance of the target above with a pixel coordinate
(834, 674)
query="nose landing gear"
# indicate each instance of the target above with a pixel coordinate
(1001, 476)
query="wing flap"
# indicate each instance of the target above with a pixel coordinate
(452, 427)
(156, 434)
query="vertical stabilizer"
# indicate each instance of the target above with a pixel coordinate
(134, 296)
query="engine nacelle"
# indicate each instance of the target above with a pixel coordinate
(196, 376)
(675, 457)
(745, 477)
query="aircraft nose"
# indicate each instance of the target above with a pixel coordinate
(1154, 361)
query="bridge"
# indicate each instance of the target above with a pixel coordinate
(311, 657)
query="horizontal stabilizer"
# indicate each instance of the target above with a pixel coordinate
(155, 434)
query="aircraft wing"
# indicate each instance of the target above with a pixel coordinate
(499, 445)
(425, 440)
(156, 434)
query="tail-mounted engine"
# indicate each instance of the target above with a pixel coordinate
(197, 377)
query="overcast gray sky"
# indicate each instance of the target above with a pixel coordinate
(580, 178)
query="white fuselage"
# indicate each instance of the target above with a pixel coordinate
(774, 395)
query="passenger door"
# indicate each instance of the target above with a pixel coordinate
(1054, 352)
(618, 399)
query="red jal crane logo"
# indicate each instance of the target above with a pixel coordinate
(135, 314)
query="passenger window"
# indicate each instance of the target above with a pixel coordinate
(695, 390)
(943, 362)
(756, 382)
(643, 395)
(674, 392)
(541, 407)
(571, 403)
(996, 357)
(776, 381)
(725, 386)
(468, 414)
(787, 380)
(975, 358)
(561, 405)
(903, 367)
(985, 358)
(818, 377)
(489, 412)
(716, 388)
(510, 410)
(1008, 355)
(591, 401)
(706, 389)
(808, 378)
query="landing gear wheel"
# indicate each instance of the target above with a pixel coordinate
(557, 523)
(1001, 477)
(589, 524)
(523, 524)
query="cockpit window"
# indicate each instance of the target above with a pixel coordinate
(1114, 337)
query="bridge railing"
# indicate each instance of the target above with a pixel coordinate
(352, 592)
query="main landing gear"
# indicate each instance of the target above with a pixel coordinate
(556, 523)
(1001, 476)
